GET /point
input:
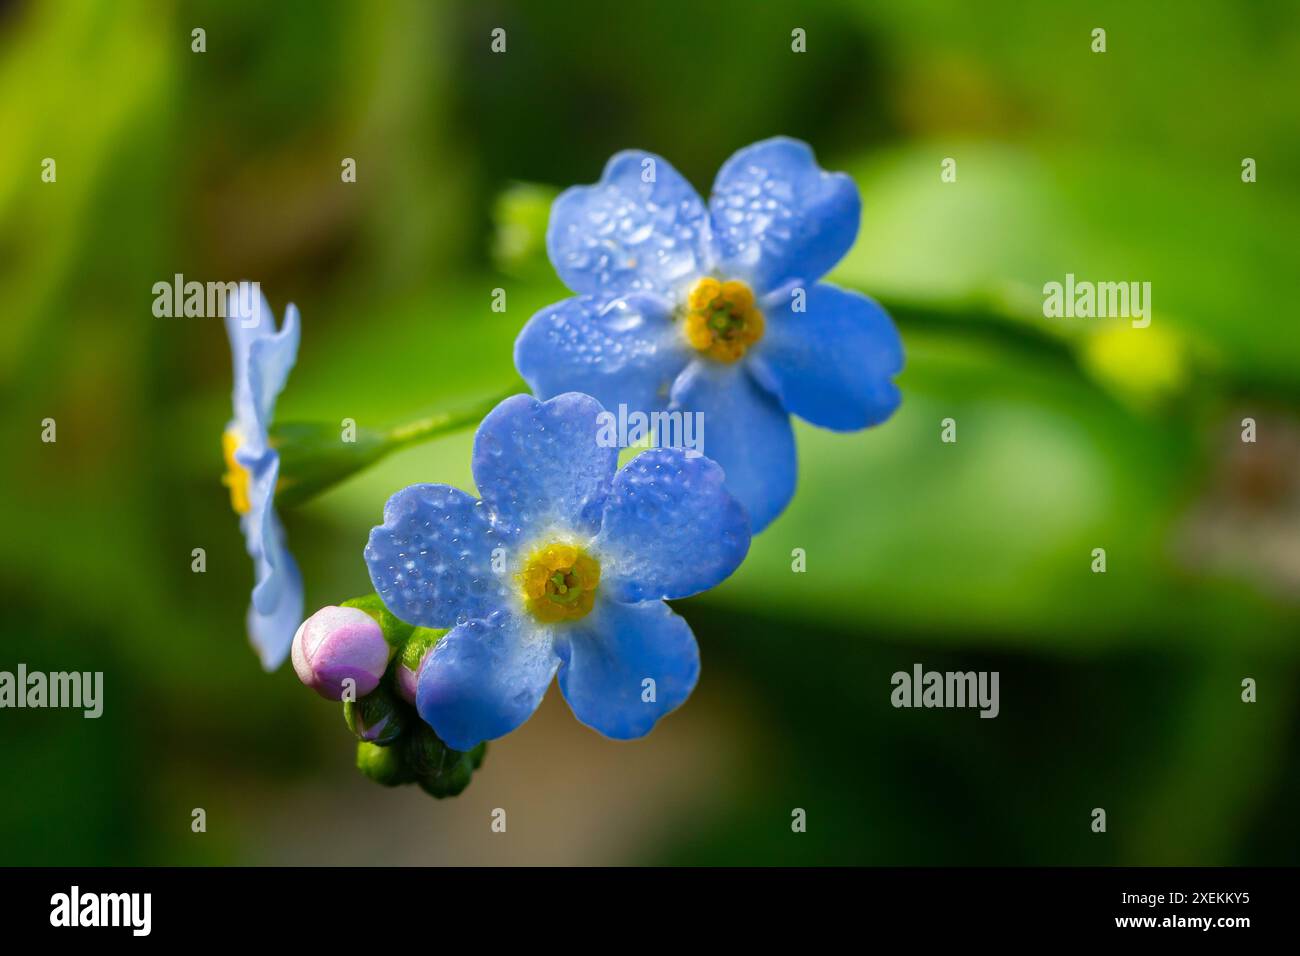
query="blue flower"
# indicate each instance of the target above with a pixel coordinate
(717, 309)
(262, 360)
(561, 567)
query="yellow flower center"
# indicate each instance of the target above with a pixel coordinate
(236, 476)
(559, 583)
(721, 319)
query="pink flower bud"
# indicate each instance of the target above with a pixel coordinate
(406, 679)
(340, 644)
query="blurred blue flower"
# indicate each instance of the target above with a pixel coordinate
(262, 357)
(561, 566)
(717, 309)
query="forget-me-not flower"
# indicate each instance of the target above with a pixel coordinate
(263, 357)
(717, 309)
(561, 567)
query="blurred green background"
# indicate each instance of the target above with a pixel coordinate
(1118, 690)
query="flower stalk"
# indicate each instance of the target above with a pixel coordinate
(315, 456)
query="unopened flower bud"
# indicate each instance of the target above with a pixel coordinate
(440, 771)
(451, 781)
(377, 718)
(414, 653)
(395, 631)
(425, 751)
(456, 775)
(383, 765)
(340, 649)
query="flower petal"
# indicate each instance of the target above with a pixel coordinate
(431, 559)
(277, 602)
(670, 528)
(746, 431)
(778, 217)
(538, 465)
(608, 656)
(624, 234)
(484, 679)
(627, 351)
(833, 363)
(262, 359)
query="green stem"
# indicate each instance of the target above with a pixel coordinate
(985, 318)
(1012, 319)
(445, 423)
(313, 459)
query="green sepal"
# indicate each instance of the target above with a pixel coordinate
(451, 782)
(383, 765)
(396, 631)
(478, 754)
(314, 457)
(440, 771)
(424, 751)
(418, 644)
(378, 708)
